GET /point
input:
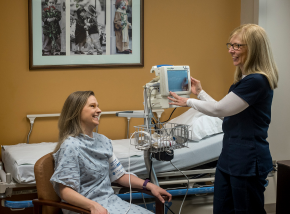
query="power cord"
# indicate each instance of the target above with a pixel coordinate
(169, 116)
(152, 111)
(169, 209)
(187, 186)
(144, 200)
(130, 175)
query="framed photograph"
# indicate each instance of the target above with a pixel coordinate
(85, 33)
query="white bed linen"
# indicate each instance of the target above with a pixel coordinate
(19, 159)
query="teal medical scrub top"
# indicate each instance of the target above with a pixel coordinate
(245, 148)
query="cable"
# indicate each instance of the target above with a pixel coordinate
(130, 176)
(199, 175)
(169, 208)
(144, 200)
(187, 186)
(150, 167)
(130, 173)
(152, 111)
(169, 116)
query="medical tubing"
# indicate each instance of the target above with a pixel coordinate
(187, 186)
(130, 176)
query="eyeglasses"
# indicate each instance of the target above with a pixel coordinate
(235, 46)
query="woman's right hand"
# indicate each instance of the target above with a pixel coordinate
(98, 209)
(195, 86)
(75, 198)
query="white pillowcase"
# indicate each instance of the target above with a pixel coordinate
(201, 125)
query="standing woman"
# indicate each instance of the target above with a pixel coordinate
(83, 173)
(245, 160)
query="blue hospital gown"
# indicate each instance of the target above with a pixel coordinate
(82, 164)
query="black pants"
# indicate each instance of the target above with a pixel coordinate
(238, 195)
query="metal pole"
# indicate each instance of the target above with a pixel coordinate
(154, 179)
(147, 121)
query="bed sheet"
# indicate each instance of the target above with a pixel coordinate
(19, 159)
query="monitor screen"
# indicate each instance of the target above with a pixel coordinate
(177, 80)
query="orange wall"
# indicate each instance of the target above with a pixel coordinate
(184, 32)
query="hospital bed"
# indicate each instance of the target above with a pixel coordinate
(19, 163)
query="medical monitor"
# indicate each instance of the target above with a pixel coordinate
(175, 79)
(168, 78)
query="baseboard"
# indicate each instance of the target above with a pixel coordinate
(270, 208)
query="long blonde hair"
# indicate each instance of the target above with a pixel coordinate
(259, 54)
(69, 123)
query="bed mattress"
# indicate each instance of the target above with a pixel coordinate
(19, 159)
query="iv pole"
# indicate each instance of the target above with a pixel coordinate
(147, 122)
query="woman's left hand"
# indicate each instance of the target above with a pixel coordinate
(158, 192)
(177, 100)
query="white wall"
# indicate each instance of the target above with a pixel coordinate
(276, 21)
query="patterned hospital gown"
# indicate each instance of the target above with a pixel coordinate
(82, 164)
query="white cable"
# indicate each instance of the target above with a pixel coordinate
(130, 175)
(187, 187)
(144, 200)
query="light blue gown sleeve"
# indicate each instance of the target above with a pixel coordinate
(116, 169)
(67, 170)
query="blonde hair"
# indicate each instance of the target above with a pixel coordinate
(259, 54)
(69, 123)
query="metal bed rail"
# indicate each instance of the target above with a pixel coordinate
(32, 118)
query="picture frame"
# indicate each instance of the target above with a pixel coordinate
(86, 33)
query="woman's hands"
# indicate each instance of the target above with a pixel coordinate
(195, 86)
(181, 101)
(74, 198)
(158, 192)
(177, 100)
(98, 209)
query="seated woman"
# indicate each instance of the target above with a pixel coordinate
(82, 171)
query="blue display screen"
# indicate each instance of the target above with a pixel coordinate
(177, 80)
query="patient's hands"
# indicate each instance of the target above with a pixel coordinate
(177, 100)
(75, 198)
(195, 86)
(98, 209)
(158, 192)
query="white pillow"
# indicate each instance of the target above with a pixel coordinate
(201, 125)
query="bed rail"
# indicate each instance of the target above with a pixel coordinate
(32, 118)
